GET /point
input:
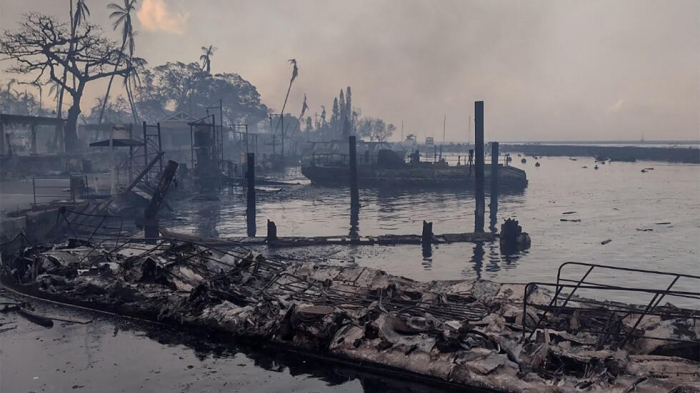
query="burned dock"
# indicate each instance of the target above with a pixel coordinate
(504, 337)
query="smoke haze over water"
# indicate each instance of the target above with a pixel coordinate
(547, 70)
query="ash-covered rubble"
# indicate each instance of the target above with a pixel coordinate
(463, 333)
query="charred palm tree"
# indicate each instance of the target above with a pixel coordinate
(136, 66)
(122, 14)
(295, 73)
(206, 58)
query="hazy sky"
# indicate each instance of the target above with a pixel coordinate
(547, 70)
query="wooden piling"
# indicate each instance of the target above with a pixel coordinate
(493, 206)
(250, 199)
(479, 166)
(427, 234)
(354, 192)
(271, 231)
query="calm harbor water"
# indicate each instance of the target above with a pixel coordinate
(651, 218)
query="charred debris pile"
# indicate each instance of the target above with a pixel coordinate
(503, 337)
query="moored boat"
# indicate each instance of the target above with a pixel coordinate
(391, 171)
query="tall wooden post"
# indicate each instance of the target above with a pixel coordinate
(354, 191)
(479, 166)
(250, 210)
(34, 148)
(493, 206)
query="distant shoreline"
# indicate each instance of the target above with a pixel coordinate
(687, 152)
(688, 155)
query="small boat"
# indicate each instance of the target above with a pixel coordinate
(390, 171)
(595, 167)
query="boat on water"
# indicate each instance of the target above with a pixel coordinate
(390, 170)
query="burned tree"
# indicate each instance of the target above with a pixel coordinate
(42, 46)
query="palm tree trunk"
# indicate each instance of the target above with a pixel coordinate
(109, 86)
(134, 113)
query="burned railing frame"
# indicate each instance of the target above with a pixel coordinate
(649, 309)
(62, 213)
(54, 198)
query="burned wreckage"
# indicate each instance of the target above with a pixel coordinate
(458, 334)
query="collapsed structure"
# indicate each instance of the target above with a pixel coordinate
(476, 334)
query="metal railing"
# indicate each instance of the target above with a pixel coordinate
(91, 225)
(75, 190)
(613, 312)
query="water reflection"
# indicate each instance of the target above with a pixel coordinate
(209, 214)
(477, 259)
(295, 364)
(427, 249)
(354, 220)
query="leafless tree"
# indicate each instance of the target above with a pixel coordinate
(44, 46)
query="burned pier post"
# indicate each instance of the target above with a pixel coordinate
(479, 166)
(354, 191)
(493, 205)
(427, 234)
(250, 199)
(271, 231)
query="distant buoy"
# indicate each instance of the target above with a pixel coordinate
(537, 164)
(523, 161)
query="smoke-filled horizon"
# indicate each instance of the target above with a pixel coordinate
(547, 70)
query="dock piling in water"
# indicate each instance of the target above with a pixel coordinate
(354, 193)
(427, 234)
(250, 199)
(271, 231)
(479, 166)
(493, 205)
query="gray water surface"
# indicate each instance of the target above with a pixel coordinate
(652, 220)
